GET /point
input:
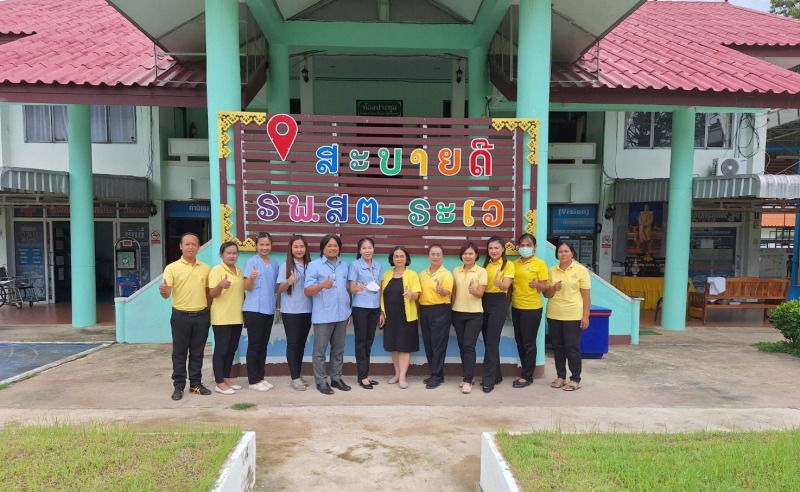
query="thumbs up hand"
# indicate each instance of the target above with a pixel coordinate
(164, 289)
(254, 274)
(439, 289)
(408, 295)
(225, 282)
(472, 286)
(291, 279)
(327, 283)
(360, 287)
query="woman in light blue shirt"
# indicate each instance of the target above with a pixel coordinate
(364, 284)
(294, 307)
(260, 274)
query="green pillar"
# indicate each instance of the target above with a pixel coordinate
(278, 80)
(533, 101)
(223, 93)
(81, 216)
(478, 78)
(679, 219)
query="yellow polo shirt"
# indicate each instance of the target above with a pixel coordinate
(227, 308)
(410, 282)
(523, 296)
(189, 284)
(493, 272)
(464, 301)
(567, 304)
(429, 296)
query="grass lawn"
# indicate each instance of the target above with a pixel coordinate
(694, 461)
(781, 347)
(112, 457)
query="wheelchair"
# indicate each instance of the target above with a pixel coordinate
(16, 290)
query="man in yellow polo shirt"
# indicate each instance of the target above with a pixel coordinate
(187, 281)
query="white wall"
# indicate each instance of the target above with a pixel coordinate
(654, 163)
(123, 159)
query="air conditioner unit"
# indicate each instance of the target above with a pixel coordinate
(732, 166)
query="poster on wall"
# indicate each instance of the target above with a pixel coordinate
(29, 254)
(645, 228)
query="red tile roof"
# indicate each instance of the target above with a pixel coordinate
(81, 42)
(777, 220)
(689, 46)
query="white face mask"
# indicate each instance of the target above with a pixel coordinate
(526, 252)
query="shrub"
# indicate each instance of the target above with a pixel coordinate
(786, 319)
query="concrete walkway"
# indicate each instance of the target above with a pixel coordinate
(419, 439)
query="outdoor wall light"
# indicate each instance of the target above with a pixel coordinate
(304, 71)
(609, 214)
(152, 209)
(459, 74)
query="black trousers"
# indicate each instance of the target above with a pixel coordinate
(434, 323)
(297, 327)
(226, 341)
(365, 322)
(495, 308)
(566, 339)
(468, 327)
(189, 335)
(526, 329)
(259, 328)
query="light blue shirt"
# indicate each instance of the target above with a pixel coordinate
(361, 272)
(329, 305)
(262, 298)
(296, 302)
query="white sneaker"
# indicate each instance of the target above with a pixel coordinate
(260, 386)
(267, 384)
(236, 387)
(228, 391)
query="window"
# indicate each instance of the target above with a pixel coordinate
(110, 124)
(654, 130)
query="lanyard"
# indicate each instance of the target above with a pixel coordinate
(332, 267)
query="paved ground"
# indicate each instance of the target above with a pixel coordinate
(418, 439)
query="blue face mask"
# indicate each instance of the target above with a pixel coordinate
(526, 252)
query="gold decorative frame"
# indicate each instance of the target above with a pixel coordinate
(226, 119)
(226, 211)
(528, 125)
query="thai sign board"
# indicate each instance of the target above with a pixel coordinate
(409, 181)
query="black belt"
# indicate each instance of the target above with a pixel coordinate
(191, 314)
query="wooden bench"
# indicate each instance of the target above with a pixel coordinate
(746, 292)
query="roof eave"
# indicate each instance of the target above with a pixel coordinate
(41, 93)
(670, 97)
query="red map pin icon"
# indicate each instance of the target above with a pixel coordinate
(282, 130)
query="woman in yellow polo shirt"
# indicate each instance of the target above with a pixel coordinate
(530, 280)
(500, 274)
(567, 314)
(226, 282)
(469, 283)
(399, 294)
(434, 313)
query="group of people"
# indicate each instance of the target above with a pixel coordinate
(327, 293)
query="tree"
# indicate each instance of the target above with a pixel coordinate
(786, 8)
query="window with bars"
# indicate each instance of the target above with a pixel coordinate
(648, 130)
(110, 124)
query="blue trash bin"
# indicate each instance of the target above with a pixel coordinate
(594, 340)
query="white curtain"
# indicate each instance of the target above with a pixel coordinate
(122, 124)
(38, 126)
